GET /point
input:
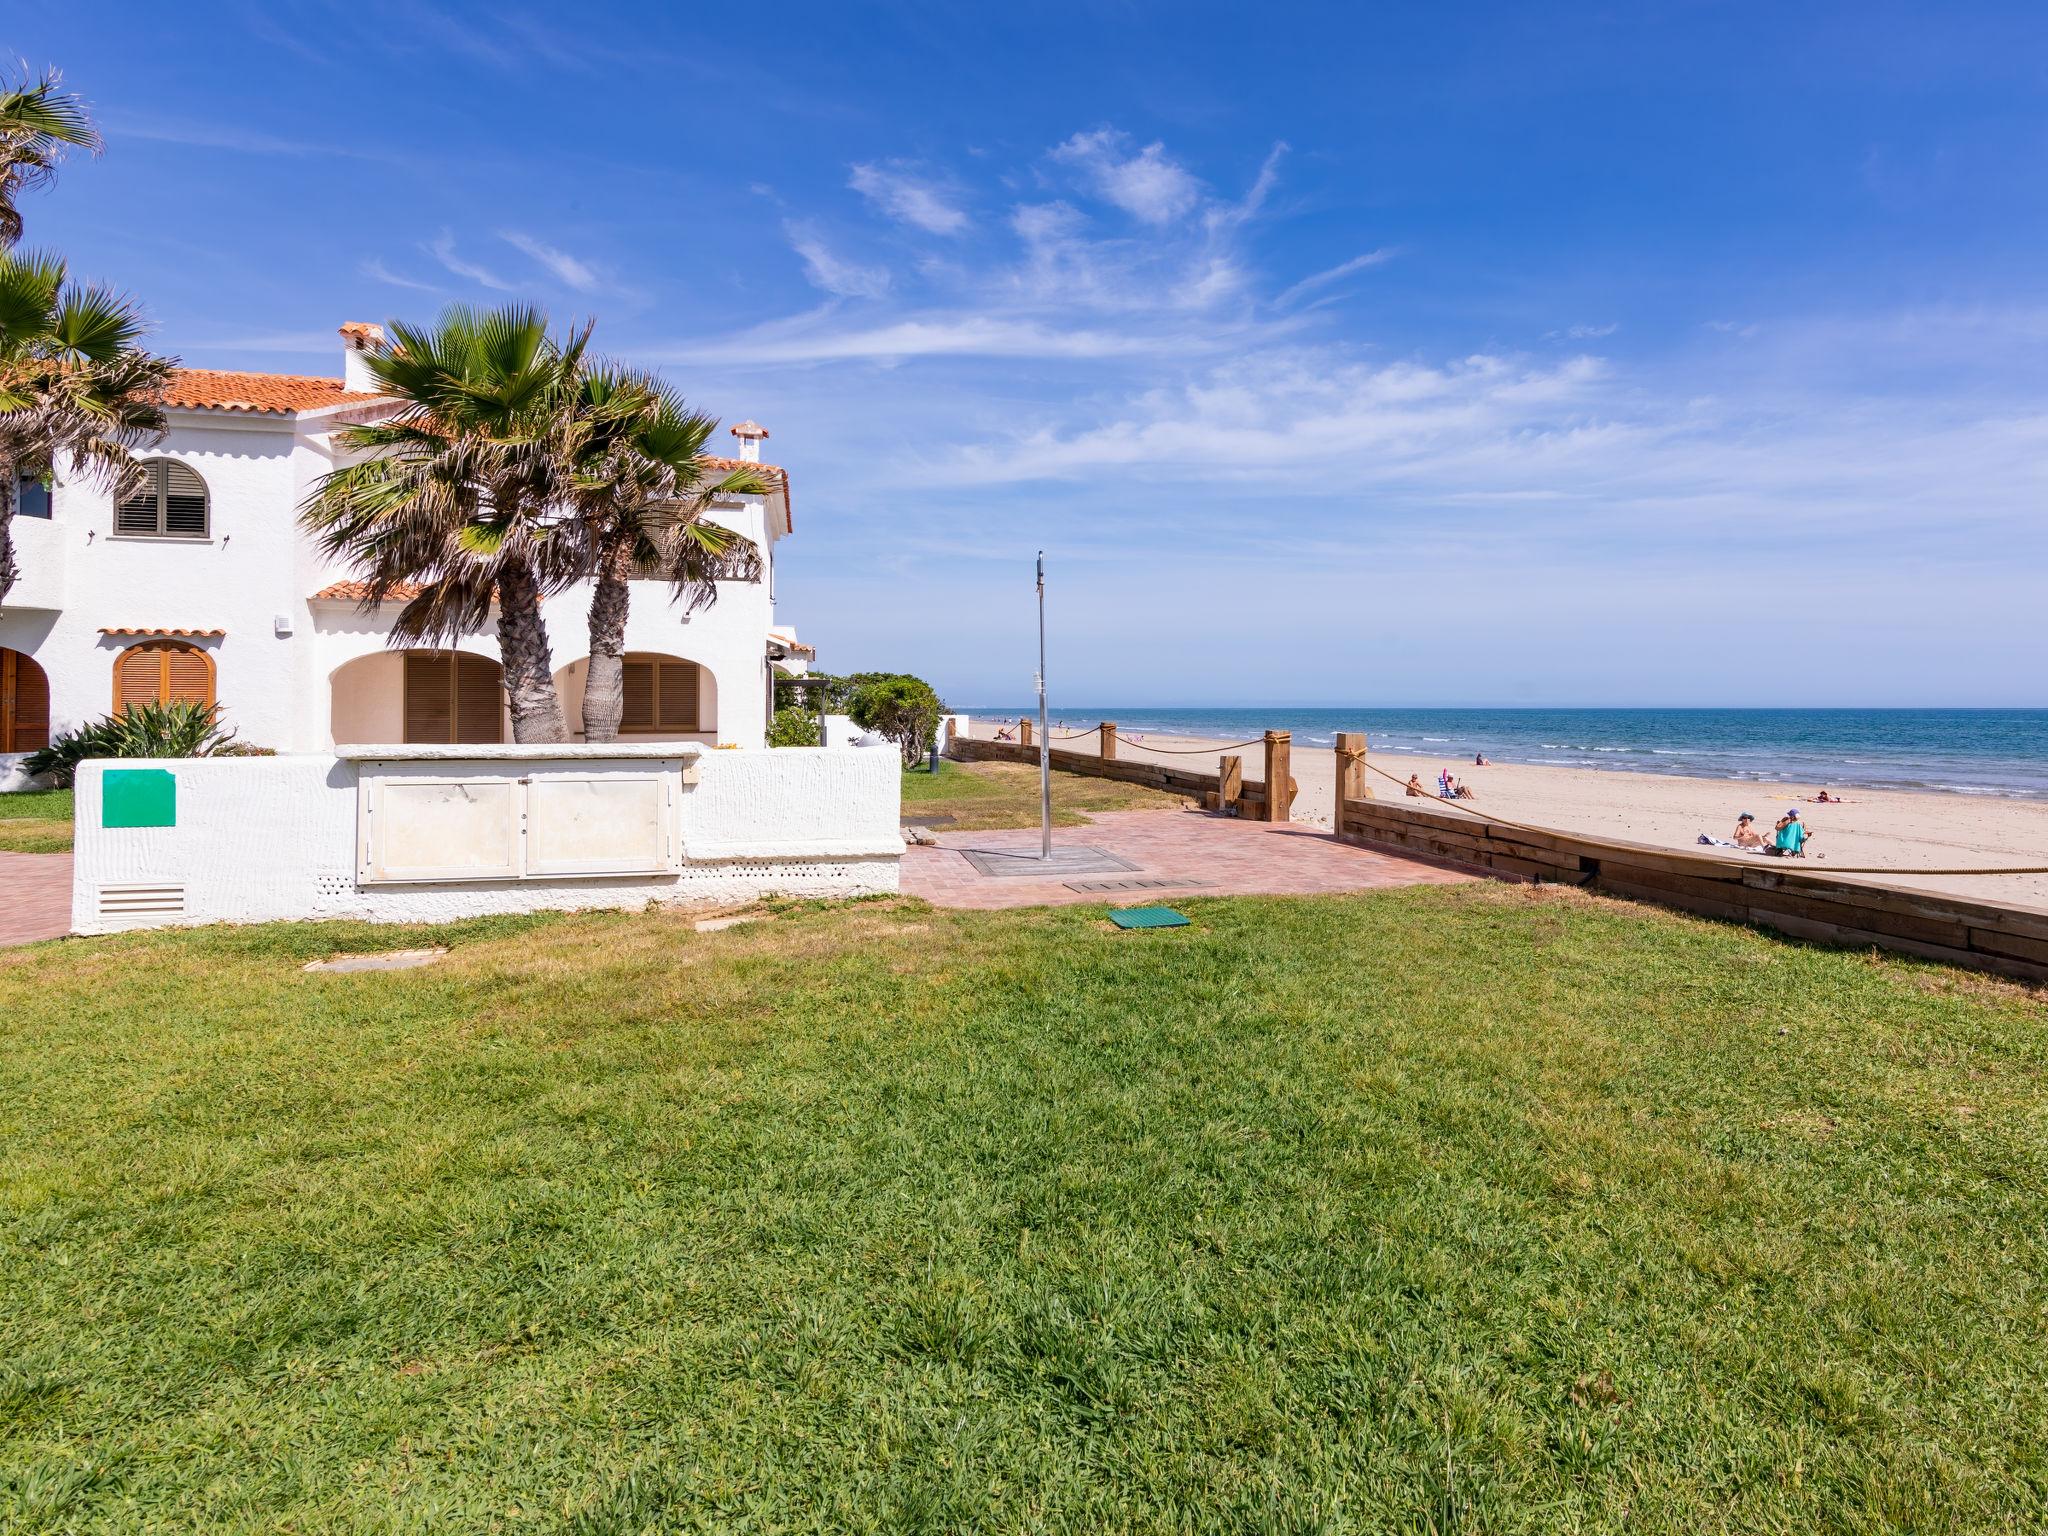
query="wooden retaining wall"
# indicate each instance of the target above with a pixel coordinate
(1766, 892)
(1204, 788)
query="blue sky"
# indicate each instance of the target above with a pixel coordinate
(1377, 354)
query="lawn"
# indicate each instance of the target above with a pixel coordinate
(983, 796)
(1468, 1208)
(36, 821)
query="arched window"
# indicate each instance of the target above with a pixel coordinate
(172, 503)
(662, 695)
(453, 696)
(162, 672)
(24, 703)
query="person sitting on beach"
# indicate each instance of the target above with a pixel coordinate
(1479, 760)
(1460, 790)
(1003, 733)
(1746, 834)
(1415, 790)
(1443, 784)
(1790, 836)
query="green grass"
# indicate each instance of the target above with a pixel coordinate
(983, 796)
(1460, 1208)
(36, 821)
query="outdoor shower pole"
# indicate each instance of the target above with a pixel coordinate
(1044, 735)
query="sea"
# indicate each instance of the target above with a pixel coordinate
(1997, 752)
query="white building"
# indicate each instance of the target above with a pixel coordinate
(203, 587)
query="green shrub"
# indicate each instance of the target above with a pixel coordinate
(182, 729)
(794, 727)
(903, 708)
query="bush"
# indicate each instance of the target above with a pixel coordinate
(900, 707)
(794, 727)
(141, 730)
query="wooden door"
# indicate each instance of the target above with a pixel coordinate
(24, 703)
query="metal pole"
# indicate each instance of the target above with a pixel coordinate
(1044, 734)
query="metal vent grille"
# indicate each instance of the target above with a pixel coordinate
(128, 903)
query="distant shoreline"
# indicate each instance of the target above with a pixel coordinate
(1881, 828)
(1982, 754)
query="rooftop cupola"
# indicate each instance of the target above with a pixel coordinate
(750, 434)
(359, 338)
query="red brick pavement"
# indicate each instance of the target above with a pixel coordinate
(1219, 855)
(35, 897)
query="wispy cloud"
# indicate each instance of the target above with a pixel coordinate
(1149, 185)
(1583, 332)
(908, 199)
(831, 273)
(1330, 275)
(571, 270)
(375, 270)
(822, 338)
(442, 249)
(236, 137)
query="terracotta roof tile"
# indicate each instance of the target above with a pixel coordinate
(359, 592)
(161, 634)
(267, 394)
(776, 476)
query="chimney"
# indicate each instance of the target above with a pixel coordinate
(359, 338)
(750, 434)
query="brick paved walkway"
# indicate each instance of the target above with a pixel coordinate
(1216, 855)
(35, 897)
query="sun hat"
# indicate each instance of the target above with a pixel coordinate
(1745, 816)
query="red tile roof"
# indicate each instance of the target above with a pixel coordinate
(776, 476)
(159, 634)
(359, 592)
(266, 394)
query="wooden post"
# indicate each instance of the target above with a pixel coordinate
(1229, 783)
(1108, 729)
(1279, 781)
(1351, 783)
(1023, 730)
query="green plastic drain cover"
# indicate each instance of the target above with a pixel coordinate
(1148, 917)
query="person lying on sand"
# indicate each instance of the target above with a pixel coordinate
(1789, 836)
(1824, 798)
(1415, 790)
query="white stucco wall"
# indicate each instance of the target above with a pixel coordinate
(263, 839)
(255, 568)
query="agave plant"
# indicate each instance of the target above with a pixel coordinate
(178, 729)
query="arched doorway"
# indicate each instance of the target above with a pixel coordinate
(666, 697)
(24, 702)
(430, 697)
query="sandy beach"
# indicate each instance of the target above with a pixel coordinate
(1885, 829)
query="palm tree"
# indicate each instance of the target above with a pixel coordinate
(38, 122)
(641, 485)
(75, 384)
(463, 489)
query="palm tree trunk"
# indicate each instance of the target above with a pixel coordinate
(604, 685)
(523, 647)
(8, 569)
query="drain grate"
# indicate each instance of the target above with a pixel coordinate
(1134, 885)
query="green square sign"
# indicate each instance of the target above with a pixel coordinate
(138, 797)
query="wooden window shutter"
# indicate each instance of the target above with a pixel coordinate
(187, 677)
(184, 501)
(479, 699)
(429, 696)
(24, 703)
(137, 514)
(676, 705)
(639, 689)
(171, 502)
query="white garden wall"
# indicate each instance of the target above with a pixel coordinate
(262, 839)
